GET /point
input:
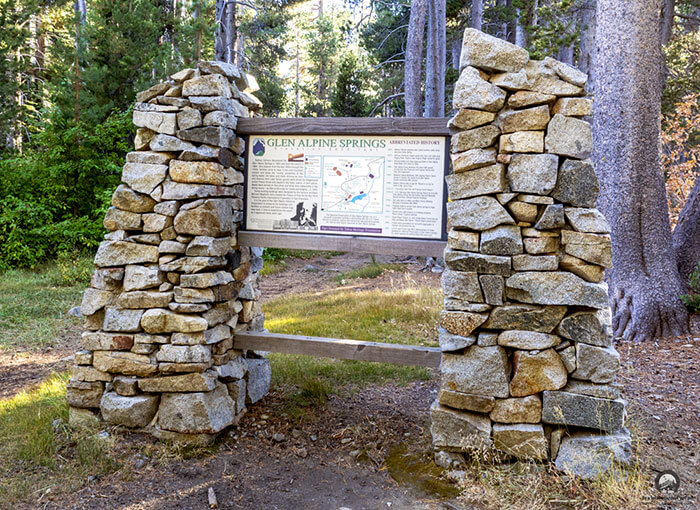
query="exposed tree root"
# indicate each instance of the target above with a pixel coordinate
(644, 310)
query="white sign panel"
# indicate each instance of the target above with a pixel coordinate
(388, 186)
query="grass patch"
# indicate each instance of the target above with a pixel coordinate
(34, 304)
(407, 316)
(275, 258)
(41, 455)
(373, 270)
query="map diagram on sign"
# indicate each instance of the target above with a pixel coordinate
(353, 184)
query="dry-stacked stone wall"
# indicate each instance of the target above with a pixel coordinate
(528, 365)
(172, 286)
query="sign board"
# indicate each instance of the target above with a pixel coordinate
(383, 186)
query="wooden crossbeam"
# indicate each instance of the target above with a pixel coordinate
(380, 126)
(339, 348)
(354, 244)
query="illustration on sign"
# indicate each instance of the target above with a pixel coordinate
(348, 185)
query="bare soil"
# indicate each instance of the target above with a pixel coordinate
(337, 455)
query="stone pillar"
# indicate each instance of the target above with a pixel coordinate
(172, 286)
(528, 365)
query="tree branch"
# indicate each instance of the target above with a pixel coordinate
(384, 101)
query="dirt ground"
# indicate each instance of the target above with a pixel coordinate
(340, 456)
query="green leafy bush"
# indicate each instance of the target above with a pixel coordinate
(55, 194)
(692, 300)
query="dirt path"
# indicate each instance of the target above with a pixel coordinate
(319, 274)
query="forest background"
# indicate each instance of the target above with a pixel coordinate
(71, 70)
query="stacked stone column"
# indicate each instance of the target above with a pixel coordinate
(528, 365)
(172, 287)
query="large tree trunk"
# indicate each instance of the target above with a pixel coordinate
(225, 43)
(477, 20)
(586, 59)
(668, 12)
(644, 282)
(686, 235)
(477, 15)
(435, 60)
(414, 58)
(520, 35)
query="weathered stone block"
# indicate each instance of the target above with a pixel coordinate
(566, 72)
(569, 136)
(563, 408)
(167, 143)
(574, 106)
(480, 213)
(450, 342)
(472, 183)
(210, 135)
(121, 253)
(118, 319)
(473, 92)
(593, 248)
(158, 320)
(523, 441)
(198, 172)
(458, 431)
(464, 241)
(530, 119)
(492, 287)
(552, 217)
(525, 317)
(501, 240)
(197, 413)
(125, 363)
(587, 220)
(593, 328)
(159, 122)
(468, 119)
(461, 285)
(258, 382)
(535, 263)
(522, 141)
(489, 52)
(212, 217)
(457, 400)
(479, 371)
(132, 412)
(477, 263)
(589, 456)
(461, 323)
(596, 364)
(517, 410)
(533, 173)
(527, 340)
(84, 394)
(476, 138)
(185, 383)
(101, 341)
(537, 371)
(524, 98)
(116, 219)
(555, 288)
(207, 85)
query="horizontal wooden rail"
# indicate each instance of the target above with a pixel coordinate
(339, 349)
(353, 244)
(380, 126)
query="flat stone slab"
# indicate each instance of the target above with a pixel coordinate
(572, 409)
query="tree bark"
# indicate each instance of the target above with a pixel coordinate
(686, 235)
(456, 51)
(477, 20)
(668, 12)
(520, 36)
(414, 58)
(586, 60)
(436, 55)
(644, 282)
(225, 43)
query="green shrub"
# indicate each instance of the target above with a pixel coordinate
(692, 300)
(55, 194)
